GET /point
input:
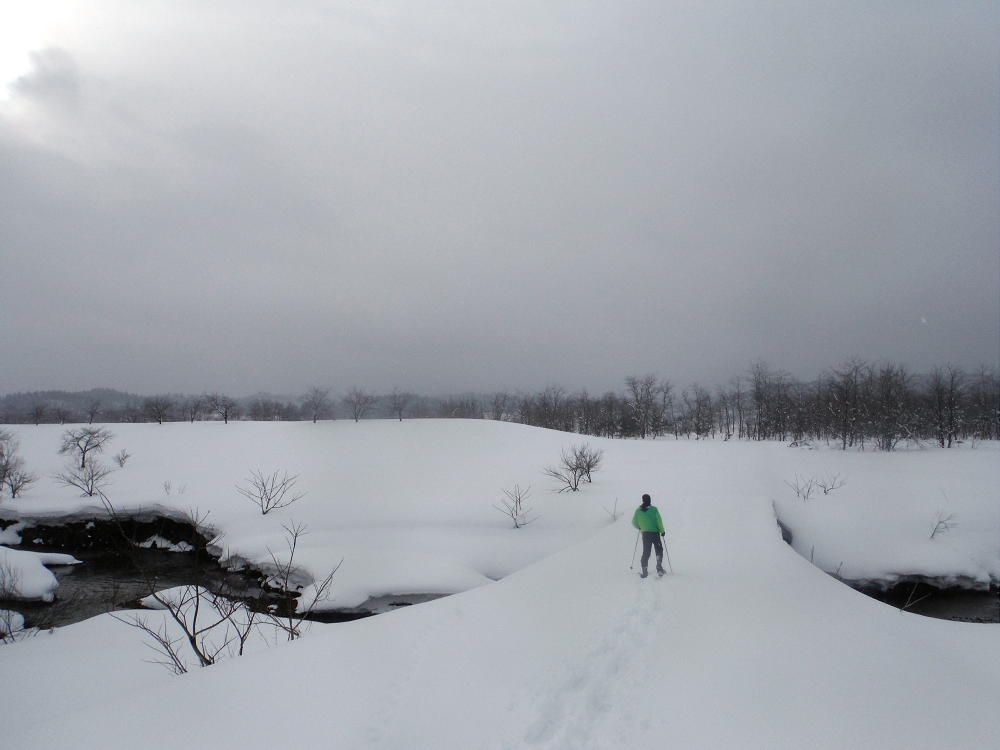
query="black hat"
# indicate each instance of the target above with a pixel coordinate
(646, 500)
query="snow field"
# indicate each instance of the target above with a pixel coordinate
(747, 645)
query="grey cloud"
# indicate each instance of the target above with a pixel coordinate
(478, 197)
(54, 76)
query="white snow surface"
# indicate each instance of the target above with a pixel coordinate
(746, 645)
(23, 574)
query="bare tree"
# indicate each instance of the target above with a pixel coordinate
(91, 478)
(82, 441)
(8, 452)
(500, 406)
(37, 413)
(16, 477)
(945, 396)
(359, 402)
(514, 507)
(316, 402)
(158, 408)
(398, 401)
(270, 491)
(643, 400)
(221, 405)
(193, 408)
(94, 409)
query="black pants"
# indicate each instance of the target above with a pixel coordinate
(650, 541)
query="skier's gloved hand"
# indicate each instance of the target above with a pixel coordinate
(663, 535)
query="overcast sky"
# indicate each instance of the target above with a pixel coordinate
(251, 196)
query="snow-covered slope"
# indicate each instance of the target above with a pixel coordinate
(747, 645)
(407, 506)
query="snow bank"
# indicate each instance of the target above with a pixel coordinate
(876, 529)
(23, 574)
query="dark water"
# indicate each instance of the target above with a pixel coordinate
(105, 582)
(947, 604)
(957, 604)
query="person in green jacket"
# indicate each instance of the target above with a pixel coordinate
(647, 519)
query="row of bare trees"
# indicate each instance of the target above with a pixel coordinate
(317, 403)
(858, 404)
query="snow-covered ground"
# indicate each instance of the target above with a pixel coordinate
(747, 645)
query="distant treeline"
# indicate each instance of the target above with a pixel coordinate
(856, 405)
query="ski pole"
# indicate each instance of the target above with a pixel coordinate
(667, 553)
(634, 550)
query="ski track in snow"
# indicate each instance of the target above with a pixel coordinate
(567, 714)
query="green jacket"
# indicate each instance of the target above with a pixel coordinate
(648, 519)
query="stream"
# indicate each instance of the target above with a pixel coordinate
(108, 579)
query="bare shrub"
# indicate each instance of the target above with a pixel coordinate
(575, 465)
(514, 507)
(90, 479)
(566, 473)
(613, 512)
(831, 482)
(82, 441)
(16, 477)
(9, 579)
(802, 486)
(12, 626)
(11, 622)
(286, 576)
(587, 460)
(943, 523)
(208, 625)
(122, 457)
(270, 491)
